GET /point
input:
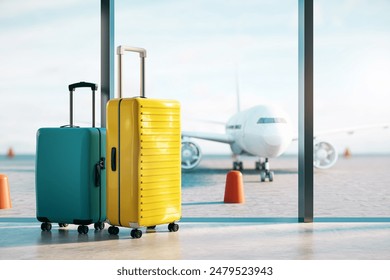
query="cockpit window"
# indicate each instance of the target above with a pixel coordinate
(237, 126)
(271, 120)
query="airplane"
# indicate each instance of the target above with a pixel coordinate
(263, 131)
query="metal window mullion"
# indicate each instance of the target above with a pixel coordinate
(107, 55)
(305, 138)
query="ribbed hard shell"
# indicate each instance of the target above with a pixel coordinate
(145, 189)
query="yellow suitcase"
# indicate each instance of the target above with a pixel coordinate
(144, 158)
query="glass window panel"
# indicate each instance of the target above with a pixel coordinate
(352, 58)
(203, 54)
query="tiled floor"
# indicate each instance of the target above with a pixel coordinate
(263, 227)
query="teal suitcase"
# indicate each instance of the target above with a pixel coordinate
(70, 173)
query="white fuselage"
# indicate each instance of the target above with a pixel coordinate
(262, 131)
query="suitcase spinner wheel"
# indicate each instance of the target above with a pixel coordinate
(46, 226)
(113, 230)
(136, 233)
(173, 227)
(83, 229)
(99, 226)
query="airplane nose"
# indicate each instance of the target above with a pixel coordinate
(273, 145)
(273, 140)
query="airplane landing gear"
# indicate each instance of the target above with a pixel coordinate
(264, 170)
(262, 166)
(237, 165)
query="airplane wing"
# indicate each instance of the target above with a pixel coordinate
(351, 130)
(348, 130)
(325, 154)
(222, 138)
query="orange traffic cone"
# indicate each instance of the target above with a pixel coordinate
(347, 153)
(234, 188)
(5, 197)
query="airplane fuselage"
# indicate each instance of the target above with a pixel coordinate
(263, 131)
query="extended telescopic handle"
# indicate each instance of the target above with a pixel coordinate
(72, 87)
(142, 53)
(93, 86)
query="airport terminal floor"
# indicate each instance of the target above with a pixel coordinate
(23, 239)
(351, 222)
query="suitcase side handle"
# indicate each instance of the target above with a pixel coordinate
(98, 172)
(142, 53)
(72, 87)
(113, 159)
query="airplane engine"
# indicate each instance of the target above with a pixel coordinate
(190, 155)
(325, 155)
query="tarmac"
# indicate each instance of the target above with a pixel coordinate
(351, 209)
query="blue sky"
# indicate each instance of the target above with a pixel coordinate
(194, 50)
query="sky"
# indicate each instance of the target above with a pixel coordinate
(199, 53)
